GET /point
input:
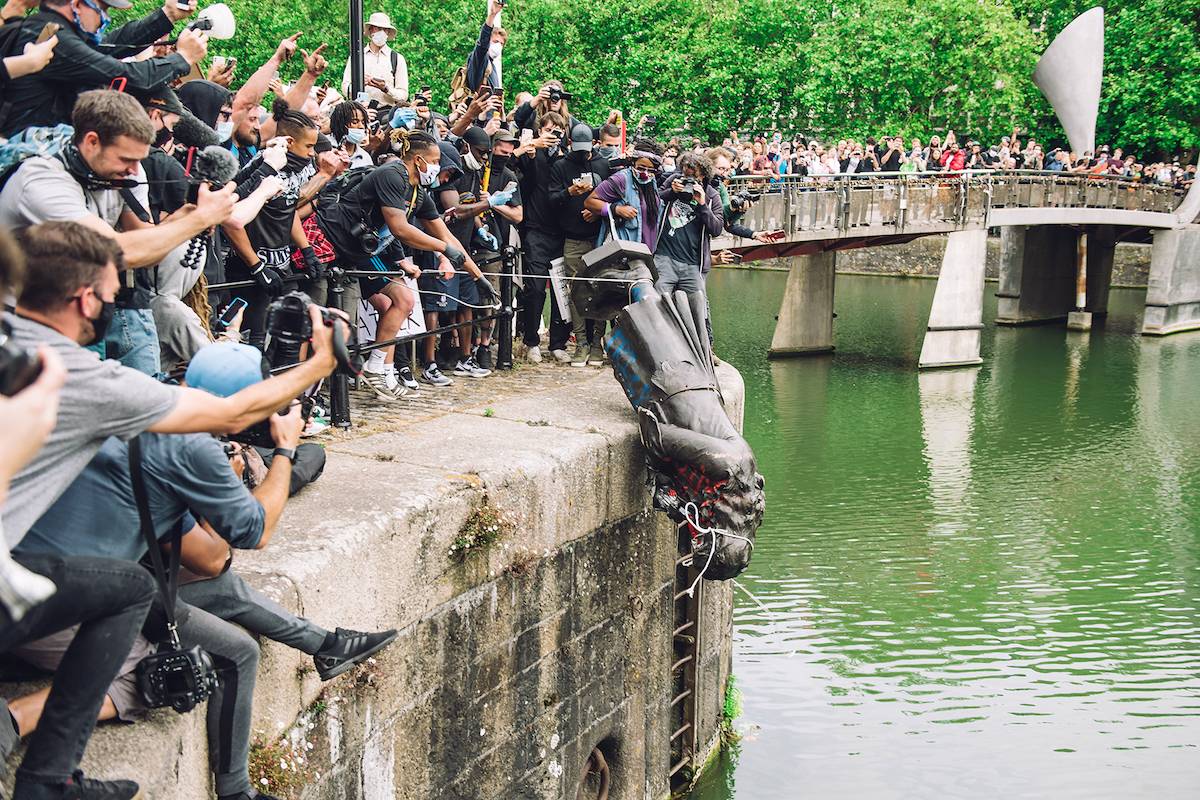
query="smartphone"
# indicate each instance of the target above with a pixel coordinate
(48, 30)
(362, 98)
(219, 63)
(227, 315)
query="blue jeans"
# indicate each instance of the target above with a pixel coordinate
(108, 599)
(132, 339)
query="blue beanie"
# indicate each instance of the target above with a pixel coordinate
(225, 368)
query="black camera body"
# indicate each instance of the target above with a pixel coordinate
(739, 203)
(179, 679)
(557, 94)
(19, 366)
(688, 186)
(366, 235)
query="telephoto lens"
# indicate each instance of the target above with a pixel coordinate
(19, 366)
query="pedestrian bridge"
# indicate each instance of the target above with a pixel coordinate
(1058, 232)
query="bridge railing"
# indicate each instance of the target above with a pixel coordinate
(809, 207)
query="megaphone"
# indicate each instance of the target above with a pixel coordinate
(218, 20)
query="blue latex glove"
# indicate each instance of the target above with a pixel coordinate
(404, 117)
(500, 198)
(489, 241)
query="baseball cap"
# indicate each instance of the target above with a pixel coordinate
(477, 137)
(504, 135)
(225, 368)
(163, 98)
(581, 139)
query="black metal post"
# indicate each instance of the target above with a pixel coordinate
(339, 381)
(504, 325)
(357, 78)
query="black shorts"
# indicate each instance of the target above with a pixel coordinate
(437, 293)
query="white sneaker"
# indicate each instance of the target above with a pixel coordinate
(316, 425)
(534, 355)
(561, 356)
(467, 368)
(378, 382)
(434, 377)
(405, 377)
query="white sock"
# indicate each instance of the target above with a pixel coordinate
(375, 361)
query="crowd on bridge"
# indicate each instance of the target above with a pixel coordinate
(771, 155)
(186, 246)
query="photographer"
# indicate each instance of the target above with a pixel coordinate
(87, 181)
(572, 179)
(692, 215)
(541, 237)
(189, 478)
(722, 168)
(39, 596)
(83, 61)
(550, 99)
(67, 302)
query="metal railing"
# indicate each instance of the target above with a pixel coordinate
(835, 206)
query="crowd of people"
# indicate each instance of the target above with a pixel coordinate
(770, 156)
(172, 237)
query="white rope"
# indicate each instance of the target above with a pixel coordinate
(691, 516)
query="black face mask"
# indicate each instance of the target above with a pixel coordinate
(72, 159)
(297, 163)
(580, 155)
(498, 163)
(101, 321)
(163, 136)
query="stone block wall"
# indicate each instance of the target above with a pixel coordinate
(512, 664)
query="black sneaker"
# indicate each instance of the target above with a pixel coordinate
(81, 788)
(350, 648)
(483, 357)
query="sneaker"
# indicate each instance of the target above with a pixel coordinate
(78, 787)
(378, 383)
(483, 357)
(596, 356)
(316, 425)
(405, 376)
(534, 355)
(434, 377)
(350, 648)
(580, 359)
(469, 369)
(561, 356)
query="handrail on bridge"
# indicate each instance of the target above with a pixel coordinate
(809, 206)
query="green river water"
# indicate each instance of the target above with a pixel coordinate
(977, 583)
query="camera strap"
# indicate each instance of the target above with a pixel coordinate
(167, 577)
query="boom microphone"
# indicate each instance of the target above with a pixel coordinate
(215, 166)
(191, 132)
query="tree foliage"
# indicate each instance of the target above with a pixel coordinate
(812, 66)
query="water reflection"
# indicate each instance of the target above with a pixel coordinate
(980, 583)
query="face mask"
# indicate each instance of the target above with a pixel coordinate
(100, 322)
(642, 176)
(297, 163)
(93, 36)
(379, 38)
(356, 136)
(494, 50)
(580, 155)
(607, 150)
(428, 176)
(471, 162)
(225, 130)
(498, 163)
(163, 136)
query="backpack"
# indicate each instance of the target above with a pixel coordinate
(459, 90)
(34, 141)
(340, 187)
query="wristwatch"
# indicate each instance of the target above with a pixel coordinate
(287, 452)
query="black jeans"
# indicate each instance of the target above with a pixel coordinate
(540, 249)
(108, 599)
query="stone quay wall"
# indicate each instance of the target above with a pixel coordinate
(513, 663)
(922, 258)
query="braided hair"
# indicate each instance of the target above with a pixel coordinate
(406, 143)
(290, 122)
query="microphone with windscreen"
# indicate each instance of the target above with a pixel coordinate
(213, 165)
(217, 20)
(191, 132)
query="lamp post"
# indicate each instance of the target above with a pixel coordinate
(356, 48)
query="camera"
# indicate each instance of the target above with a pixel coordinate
(181, 679)
(19, 366)
(557, 94)
(688, 186)
(740, 202)
(366, 235)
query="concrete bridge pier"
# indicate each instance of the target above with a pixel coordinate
(1173, 294)
(956, 318)
(1038, 272)
(805, 322)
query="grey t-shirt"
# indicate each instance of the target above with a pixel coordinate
(41, 190)
(99, 399)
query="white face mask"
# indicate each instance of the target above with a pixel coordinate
(494, 50)
(471, 161)
(379, 38)
(429, 175)
(225, 130)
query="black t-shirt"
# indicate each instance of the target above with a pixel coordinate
(568, 207)
(535, 186)
(167, 183)
(270, 232)
(891, 163)
(501, 180)
(386, 187)
(681, 232)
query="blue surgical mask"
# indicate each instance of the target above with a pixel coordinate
(225, 130)
(356, 136)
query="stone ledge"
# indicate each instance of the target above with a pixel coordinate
(565, 464)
